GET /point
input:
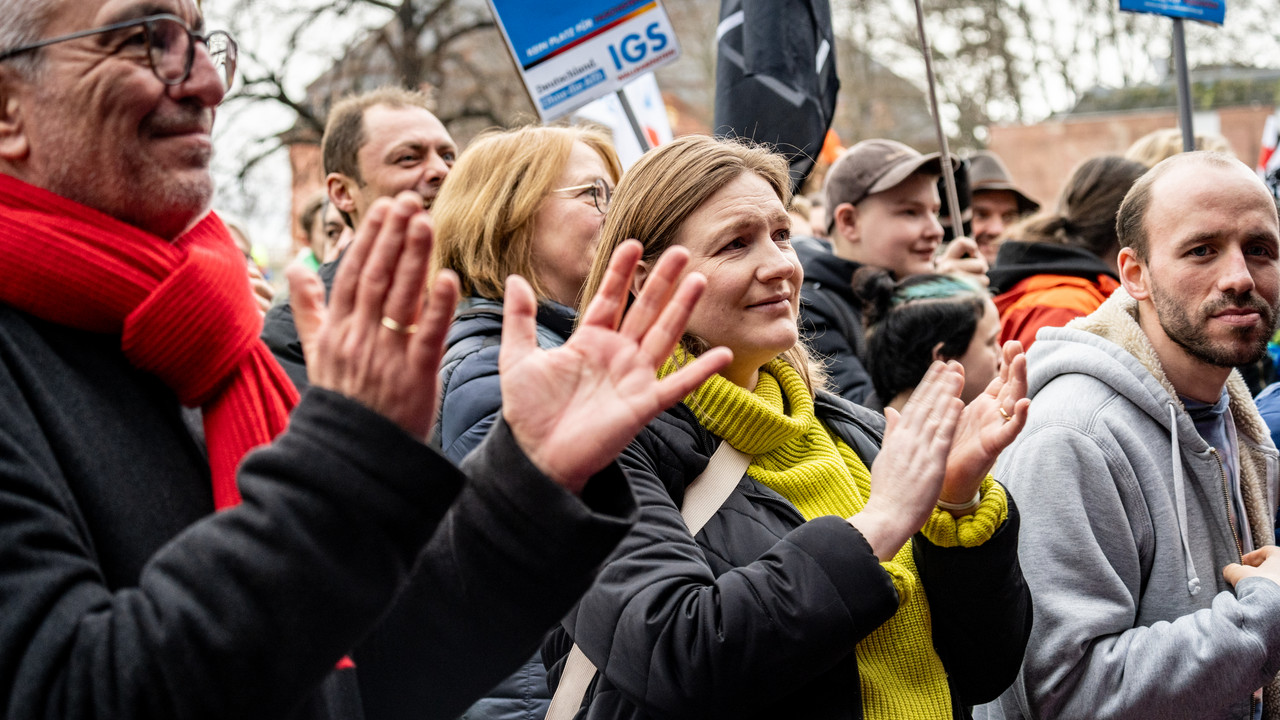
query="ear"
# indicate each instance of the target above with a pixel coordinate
(937, 353)
(637, 280)
(1134, 275)
(341, 192)
(846, 216)
(14, 145)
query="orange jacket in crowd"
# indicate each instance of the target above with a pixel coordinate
(1046, 285)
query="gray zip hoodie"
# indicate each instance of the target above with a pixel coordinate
(1125, 535)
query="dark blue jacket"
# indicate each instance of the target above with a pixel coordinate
(470, 394)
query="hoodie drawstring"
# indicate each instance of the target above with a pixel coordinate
(1180, 499)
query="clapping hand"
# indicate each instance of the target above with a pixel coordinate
(987, 426)
(572, 409)
(908, 471)
(380, 341)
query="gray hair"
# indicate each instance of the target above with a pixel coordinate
(21, 23)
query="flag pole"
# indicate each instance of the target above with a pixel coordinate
(631, 118)
(948, 173)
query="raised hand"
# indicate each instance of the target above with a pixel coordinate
(962, 258)
(987, 426)
(907, 473)
(380, 341)
(572, 409)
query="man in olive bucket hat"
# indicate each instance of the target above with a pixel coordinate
(997, 203)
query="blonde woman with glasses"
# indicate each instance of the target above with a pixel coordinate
(528, 201)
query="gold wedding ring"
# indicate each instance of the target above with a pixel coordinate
(394, 326)
(1007, 417)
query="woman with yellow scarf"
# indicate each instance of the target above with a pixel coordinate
(856, 570)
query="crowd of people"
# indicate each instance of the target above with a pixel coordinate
(533, 435)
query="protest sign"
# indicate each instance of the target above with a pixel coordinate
(650, 113)
(570, 53)
(1210, 11)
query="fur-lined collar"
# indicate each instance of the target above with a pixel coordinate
(1117, 321)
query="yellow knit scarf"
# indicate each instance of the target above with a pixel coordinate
(794, 454)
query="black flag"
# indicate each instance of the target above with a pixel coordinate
(776, 76)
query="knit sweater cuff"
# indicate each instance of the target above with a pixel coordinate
(903, 579)
(975, 528)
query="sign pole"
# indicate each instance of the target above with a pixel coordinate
(1184, 86)
(948, 172)
(1208, 11)
(631, 118)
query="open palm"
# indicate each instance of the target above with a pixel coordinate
(572, 409)
(987, 426)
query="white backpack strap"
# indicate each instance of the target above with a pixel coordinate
(578, 672)
(702, 499)
(707, 493)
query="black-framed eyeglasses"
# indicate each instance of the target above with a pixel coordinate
(599, 191)
(170, 46)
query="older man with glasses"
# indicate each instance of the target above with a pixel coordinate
(133, 388)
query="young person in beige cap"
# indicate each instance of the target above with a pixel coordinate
(882, 202)
(997, 203)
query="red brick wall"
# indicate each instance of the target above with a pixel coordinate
(1041, 156)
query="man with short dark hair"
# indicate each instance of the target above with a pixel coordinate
(379, 143)
(133, 389)
(375, 144)
(1149, 479)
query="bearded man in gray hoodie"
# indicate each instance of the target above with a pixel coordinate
(1147, 478)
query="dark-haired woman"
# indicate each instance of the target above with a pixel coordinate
(1061, 264)
(925, 318)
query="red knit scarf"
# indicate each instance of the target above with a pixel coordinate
(183, 310)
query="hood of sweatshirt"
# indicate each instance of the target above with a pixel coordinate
(1111, 346)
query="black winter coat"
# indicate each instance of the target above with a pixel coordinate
(831, 323)
(122, 595)
(759, 618)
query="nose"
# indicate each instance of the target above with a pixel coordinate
(997, 226)
(1234, 275)
(778, 263)
(934, 228)
(434, 170)
(205, 80)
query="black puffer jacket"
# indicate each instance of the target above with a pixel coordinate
(831, 323)
(760, 616)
